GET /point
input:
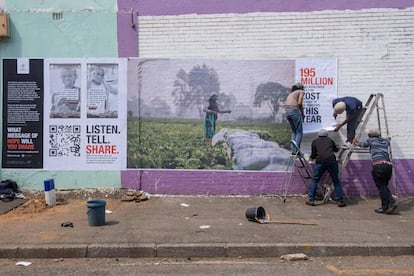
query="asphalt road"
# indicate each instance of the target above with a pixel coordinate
(321, 266)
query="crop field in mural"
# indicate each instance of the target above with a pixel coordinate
(179, 144)
(202, 114)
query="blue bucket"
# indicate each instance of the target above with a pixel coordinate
(96, 212)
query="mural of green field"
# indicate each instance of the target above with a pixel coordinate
(179, 144)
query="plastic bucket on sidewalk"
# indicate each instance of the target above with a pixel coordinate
(253, 213)
(96, 212)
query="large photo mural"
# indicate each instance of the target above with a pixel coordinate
(208, 114)
(168, 114)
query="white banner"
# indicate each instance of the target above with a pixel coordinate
(319, 76)
(85, 114)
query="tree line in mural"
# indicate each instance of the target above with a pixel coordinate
(192, 90)
(175, 142)
(272, 95)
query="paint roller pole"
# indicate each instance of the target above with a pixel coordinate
(289, 222)
(260, 215)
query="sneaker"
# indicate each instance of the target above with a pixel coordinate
(380, 210)
(310, 203)
(346, 146)
(391, 209)
(341, 204)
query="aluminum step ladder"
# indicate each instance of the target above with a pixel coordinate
(375, 105)
(297, 163)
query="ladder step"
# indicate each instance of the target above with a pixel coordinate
(373, 103)
(361, 150)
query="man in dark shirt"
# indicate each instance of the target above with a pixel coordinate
(323, 152)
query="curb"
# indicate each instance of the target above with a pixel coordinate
(206, 250)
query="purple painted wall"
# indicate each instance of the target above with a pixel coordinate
(129, 10)
(127, 34)
(356, 181)
(174, 7)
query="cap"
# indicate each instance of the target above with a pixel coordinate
(339, 107)
(373, 132)
(323, 133)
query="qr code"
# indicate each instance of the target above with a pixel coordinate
(64, 140)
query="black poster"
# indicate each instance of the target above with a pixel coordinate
(23, 113)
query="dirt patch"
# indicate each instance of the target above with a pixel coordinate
(36, 203)
(33, 206)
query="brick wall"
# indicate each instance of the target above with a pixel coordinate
(374, 50)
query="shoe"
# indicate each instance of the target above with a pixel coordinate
(380, 210)
(341, 204)
(391, 209)
(310, 203)
(346, 146)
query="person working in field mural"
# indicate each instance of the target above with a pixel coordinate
(211, 117)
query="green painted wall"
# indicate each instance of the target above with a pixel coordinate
(85, 29)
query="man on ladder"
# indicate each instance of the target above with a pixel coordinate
(379, 148)
(353, 108)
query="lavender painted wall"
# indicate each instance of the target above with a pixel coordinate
(356, 181)
(129, 10)
(127, 26)
(174, 7)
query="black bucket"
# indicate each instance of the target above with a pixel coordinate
(253, 213)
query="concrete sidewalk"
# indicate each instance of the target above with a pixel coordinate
(208, 227)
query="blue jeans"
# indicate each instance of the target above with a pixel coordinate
(320, 168)
(294, 117)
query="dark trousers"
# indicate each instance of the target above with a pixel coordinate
(382, 174)
(332, 168)
(352, 126)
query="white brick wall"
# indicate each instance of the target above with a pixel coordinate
(374, 48)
